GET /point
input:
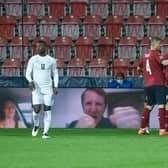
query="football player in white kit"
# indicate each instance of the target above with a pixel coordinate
(40, 70)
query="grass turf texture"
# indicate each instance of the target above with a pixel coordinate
(83, 148)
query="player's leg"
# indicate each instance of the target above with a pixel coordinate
(36, 101)
(161, 101)
(166, 110)
(148, 106)
(47, 114)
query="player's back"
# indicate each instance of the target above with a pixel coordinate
(152, 68)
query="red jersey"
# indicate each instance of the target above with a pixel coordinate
(152, 68)
(165, 69)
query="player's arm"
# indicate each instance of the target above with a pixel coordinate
(55, 76)
(29, 71)
(140, 66)
(164, 62)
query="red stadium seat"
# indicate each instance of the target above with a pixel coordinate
(113, 26)
(14, 7)
(36, 8)
(27, 26)
(76, 67)
(121, 7)
(70, 26)
(60, 66)
(46, 39)
(121, 65)
(79, 7)
(92, 26)
(100, 7)
(84, 47)
(142, 7)
(105, 47)
(136, 72)
(98, 67)
(135, 26)
(127, 47)
(19, 48)
(161, 7)
(7, 26)
(3, 48)
(11, 67)
(156, 26)
(144, 45)
(164, 46)
(49, 26)
(57, 8)
(62, 47)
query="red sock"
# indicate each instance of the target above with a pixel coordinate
(162, 118)
(145, 118)
(166, 119)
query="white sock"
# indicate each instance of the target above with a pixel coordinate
(36, 119)
(47, 121)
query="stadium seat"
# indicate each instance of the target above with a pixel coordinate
(76, 67)
(144, 45)
(46, 39)
(1, 8)
(19, 48)
(84, 47)
(121, 7)
(11, 67)
(142, 7)
(161, 7)
(127, 47)
(100, 8)
(135, 26)
(7, 26)
(62, 47)
(92, 26)
(120, 65)
(3, 48)
(78, 7)
(57, 8)
(60, 66)
(14, 7)
(49, 26)
(36, 8)
(113, 26)
(27, 26)
(98, 67)
(164, 46)
(105, 47)
(70, 26)
(136, 72)
(156, 26)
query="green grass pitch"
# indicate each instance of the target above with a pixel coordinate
(83, 148)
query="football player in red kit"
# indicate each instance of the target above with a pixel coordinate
(153, 86)
(165, 70)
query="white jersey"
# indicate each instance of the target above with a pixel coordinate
(40, 70)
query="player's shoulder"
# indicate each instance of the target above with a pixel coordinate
(51, 58)
(33, 58)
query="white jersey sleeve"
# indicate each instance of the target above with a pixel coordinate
(29, 70)
(55, 73)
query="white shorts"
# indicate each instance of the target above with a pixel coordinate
(41, 98)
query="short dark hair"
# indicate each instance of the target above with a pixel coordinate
(99, 91)
(42, 42)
